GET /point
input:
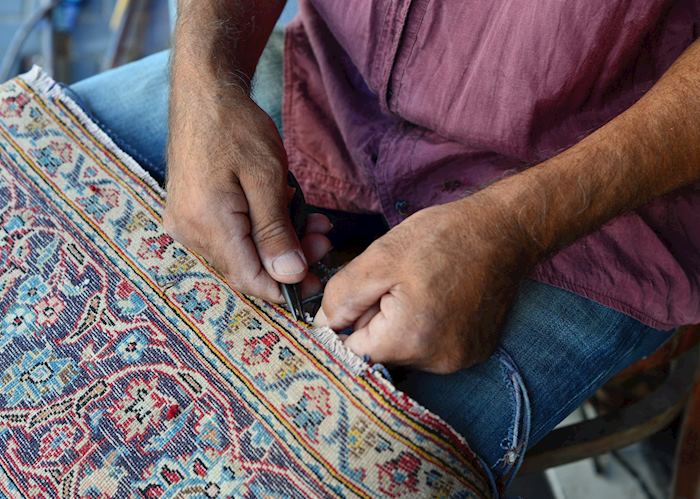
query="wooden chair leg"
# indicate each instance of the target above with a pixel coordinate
(686, 480)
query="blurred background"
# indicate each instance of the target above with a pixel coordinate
(74, 39)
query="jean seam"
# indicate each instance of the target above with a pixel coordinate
(124, 145)
(519, 432)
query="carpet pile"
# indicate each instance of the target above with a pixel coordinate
(129, 368)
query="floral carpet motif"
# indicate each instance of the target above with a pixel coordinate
(128, 368)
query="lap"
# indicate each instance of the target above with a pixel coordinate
(130, 103)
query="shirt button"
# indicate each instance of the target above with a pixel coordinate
(402, 206)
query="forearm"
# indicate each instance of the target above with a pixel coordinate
(651, 149)
(217, 46)
(218, 43)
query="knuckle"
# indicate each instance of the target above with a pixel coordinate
(423, 340)
(451, 360)
(179, 231)
(242, 276)
(270, 231)
(180, 213)
(268, 174)
(381, 249)
(458, 358)
(348, 276)
(240, 225)
(332, 293)
(424, 330)
(448, 365)
(252, 285)
(330, 307)
(247, 277)
(236, 281)
(411, 353)
(333, 305)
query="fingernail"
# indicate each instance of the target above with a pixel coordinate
(289, 263)
(320, 319)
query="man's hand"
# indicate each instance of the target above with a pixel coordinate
(433, 292)
(228, 199)
(227, 168)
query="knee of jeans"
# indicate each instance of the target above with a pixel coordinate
(487, 404)
(515, 443)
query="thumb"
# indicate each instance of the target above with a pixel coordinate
(271, 228)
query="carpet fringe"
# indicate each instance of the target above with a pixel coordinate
(329, 339)
(357, 365)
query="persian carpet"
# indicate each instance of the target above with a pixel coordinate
(129, 368)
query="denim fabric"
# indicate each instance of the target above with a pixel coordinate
(130, 103)
(556, 347)
(561, 347)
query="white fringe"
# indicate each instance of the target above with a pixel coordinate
(42, 83)
(45, 85)
(329, 339)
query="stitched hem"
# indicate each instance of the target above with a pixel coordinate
(119, 141)
(517, 441)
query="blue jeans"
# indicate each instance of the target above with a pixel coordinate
(557, 348)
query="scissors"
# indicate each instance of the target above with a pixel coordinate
(298, 213)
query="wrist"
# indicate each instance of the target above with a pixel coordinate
(548, 206)
(206, 53)
(493, 216)
(195, 83)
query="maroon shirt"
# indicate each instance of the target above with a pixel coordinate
(396, 105)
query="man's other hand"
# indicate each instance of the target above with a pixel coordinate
(432, 293)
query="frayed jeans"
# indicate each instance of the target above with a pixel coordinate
(556, 349)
